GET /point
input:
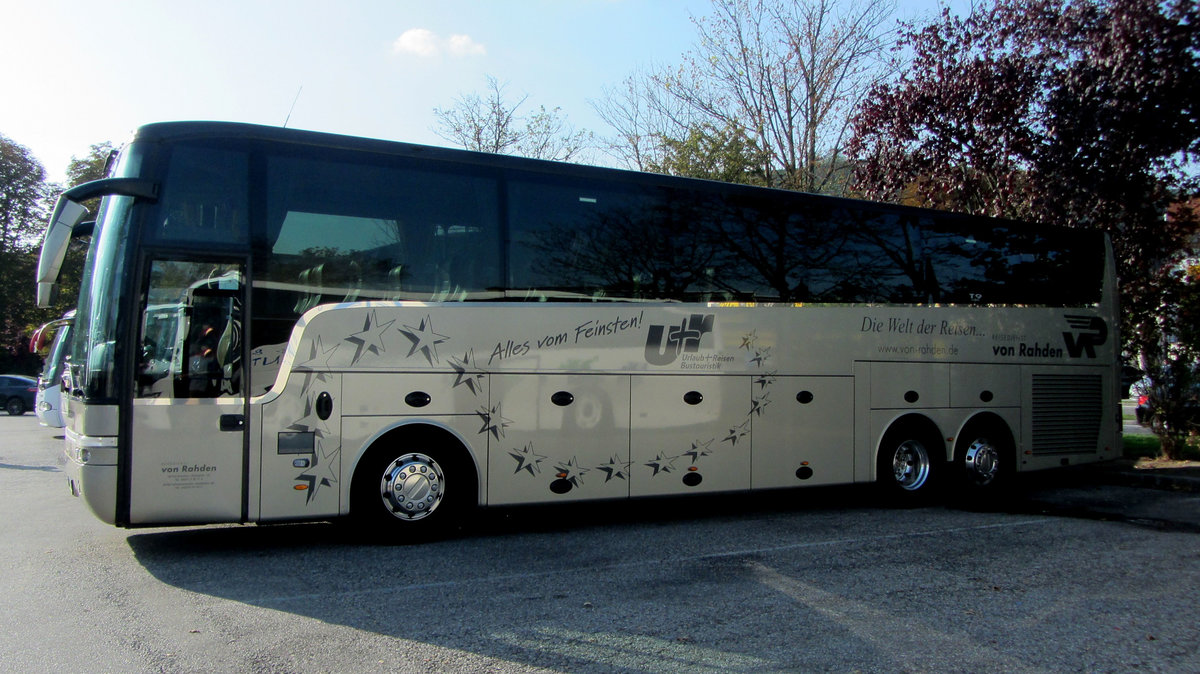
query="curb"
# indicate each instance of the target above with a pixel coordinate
(1147, 478)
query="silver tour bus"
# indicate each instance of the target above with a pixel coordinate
(280, 325)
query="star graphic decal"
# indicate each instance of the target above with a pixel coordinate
(749, 340)
(571, 472)
(766, 380)
(493, 421)
(757, 405)
(424, 339)
(698, 450)
(527, 460)
(318, 358)
(662, 464)
(311, 421)
(737, 433)
(614, 469)
(473, 381)
(370, 338)
(325, 477)
(760, 356)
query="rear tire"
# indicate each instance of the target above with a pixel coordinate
(412, 487)
(984, 461)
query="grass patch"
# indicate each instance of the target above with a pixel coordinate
(1148, 446)
(1138, 446)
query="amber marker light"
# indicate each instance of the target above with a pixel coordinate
(300, 487)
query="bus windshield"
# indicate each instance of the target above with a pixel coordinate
(95, 331)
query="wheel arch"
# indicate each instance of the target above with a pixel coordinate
(413, 429)
(1000, 430)
(984, 419)
(912, 422)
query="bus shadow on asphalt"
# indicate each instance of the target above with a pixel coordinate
(510, 521)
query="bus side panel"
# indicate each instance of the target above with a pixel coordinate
(174, 478)
(301, 450)
(690, 434)
(806, 437)
(564, 437)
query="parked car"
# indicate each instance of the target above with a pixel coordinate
(1130, 375)
(1145, 412)
(18, 393)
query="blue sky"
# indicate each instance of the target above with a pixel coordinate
(79, 72)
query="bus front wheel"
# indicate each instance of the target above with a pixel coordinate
(410, 491)
(908, 467)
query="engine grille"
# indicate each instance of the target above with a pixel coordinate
(1067, 412)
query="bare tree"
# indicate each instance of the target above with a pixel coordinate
(643, 115)
(490, 123)
(789, 72)
(478, 123)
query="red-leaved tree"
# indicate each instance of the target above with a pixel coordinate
(1076, 112)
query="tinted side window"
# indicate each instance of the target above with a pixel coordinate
(1015, 264)
(341, 231)
(799, 249)
(602, 240)
(204, 198)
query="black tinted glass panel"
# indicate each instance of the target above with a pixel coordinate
(607, 241)
(204, 198)
(339, 231)
(1014, 264)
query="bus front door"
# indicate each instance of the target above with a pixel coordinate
(186, 460)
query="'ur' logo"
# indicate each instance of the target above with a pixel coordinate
(1088, 333)
(663, 350)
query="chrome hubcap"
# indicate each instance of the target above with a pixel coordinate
(910, 465)
(412, 486)
(982, 462)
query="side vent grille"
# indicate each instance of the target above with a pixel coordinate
(1067, 411)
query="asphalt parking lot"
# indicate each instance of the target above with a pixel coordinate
(1077, 570)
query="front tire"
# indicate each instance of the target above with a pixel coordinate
(908, 468)
(411, 488)
(15, 407)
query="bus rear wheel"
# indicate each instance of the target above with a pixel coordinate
(409, 491)
(984, 460)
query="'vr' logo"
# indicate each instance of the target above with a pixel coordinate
(683, 337)
(1089, 332)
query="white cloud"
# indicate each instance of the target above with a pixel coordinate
(463, 45)
(425, 43)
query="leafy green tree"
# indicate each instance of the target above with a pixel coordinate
(1078, 112)
(22, 197)
(22, 193)
(90, 167)
(727, 154)
(1173, 358)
